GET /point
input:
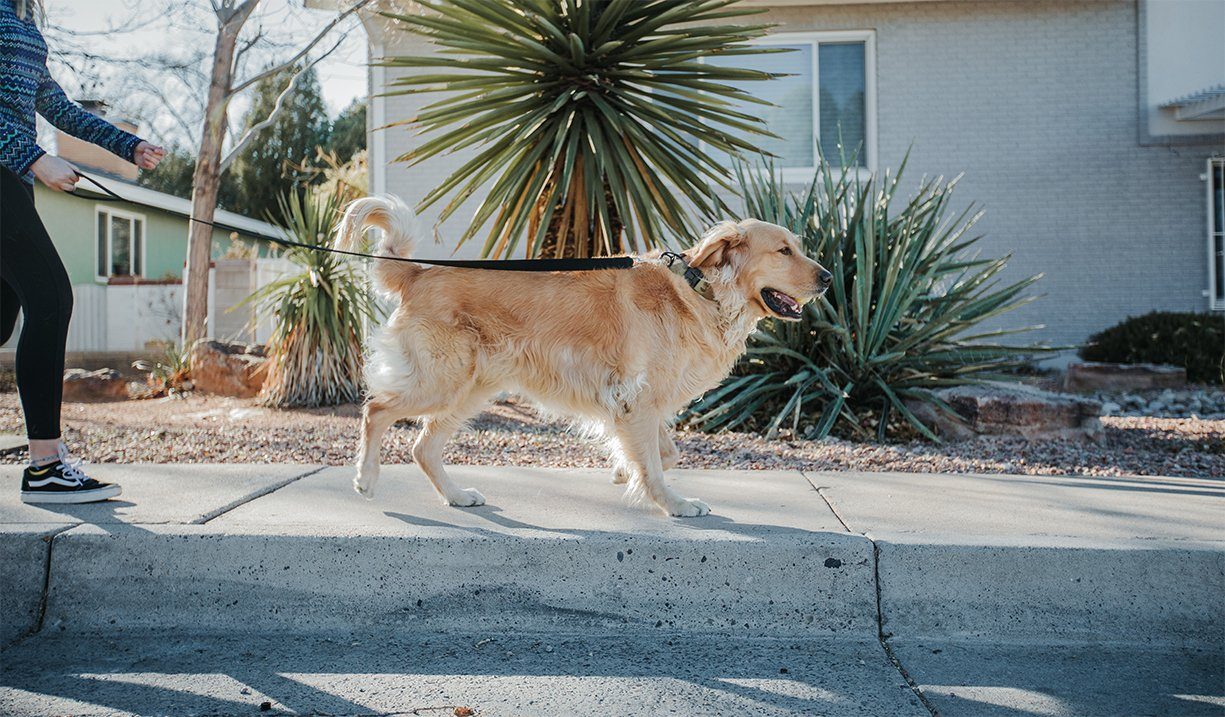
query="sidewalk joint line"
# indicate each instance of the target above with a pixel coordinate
(254, 495)
(881, 637)
(884, 638)
(820, 489)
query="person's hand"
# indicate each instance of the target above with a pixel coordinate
(55, 173)
(147, 155)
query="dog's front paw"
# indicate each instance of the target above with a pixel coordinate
(620, 476)
(467, 498)
(689, 508)
(364, 485)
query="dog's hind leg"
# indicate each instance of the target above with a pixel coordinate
(640, 441)
(377, 417)
(436, 430)
(669, 456)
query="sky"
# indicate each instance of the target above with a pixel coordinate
(149, 29)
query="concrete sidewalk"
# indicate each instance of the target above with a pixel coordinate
(888, 594)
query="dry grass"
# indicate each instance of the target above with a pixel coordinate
(212, 429)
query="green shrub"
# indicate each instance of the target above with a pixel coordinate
(1194, 341)
(901, 318)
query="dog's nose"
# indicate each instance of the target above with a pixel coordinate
(825, 277)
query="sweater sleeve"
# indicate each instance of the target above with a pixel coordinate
(62, 112)
(17, 149)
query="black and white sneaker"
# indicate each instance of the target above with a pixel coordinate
(63, 482)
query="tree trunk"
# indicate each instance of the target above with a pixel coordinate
(206, 179)
(578, 241)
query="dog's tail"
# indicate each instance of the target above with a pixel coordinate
(399, 237)
(385, 212)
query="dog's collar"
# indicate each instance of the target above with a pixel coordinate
(692, 276)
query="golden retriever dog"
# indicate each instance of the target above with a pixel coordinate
(623, 350)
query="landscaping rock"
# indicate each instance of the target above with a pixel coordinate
(1193, 401)
(999, 409)
(228, 369)
(1091, 376)
(105, 384)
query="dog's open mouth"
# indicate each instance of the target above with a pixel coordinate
(781, 303)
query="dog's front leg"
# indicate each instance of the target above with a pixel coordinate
(640, 442)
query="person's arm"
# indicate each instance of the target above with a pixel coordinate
(54, 105)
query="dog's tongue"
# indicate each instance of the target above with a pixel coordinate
(785, 301)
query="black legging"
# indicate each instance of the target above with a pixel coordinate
(32, 278)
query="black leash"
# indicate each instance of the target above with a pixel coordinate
(597, 264)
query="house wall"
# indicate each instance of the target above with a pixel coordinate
(71, 222)
(1035, 101)
(412, 183)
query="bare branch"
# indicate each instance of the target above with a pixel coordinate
(252, 42)
(132, 24)
(303, 52)
(170, 107)
(258, 127)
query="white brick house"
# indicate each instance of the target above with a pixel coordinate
(1088, 130)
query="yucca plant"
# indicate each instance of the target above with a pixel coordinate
(320, 311)
(169, 374)
(902, 317)
(594, 119)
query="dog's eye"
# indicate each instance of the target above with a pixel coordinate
(785, 251)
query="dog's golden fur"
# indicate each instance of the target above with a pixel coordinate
(625, 350)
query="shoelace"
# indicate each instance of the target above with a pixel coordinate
(72, 465)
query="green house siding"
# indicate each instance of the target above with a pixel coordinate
(72, 223)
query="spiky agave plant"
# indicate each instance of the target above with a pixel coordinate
(320, 312)
(902, 317)
(594, 119)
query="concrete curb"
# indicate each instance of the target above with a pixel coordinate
(1055, 592)
(814, 584)
(25, 559)
(174, 576)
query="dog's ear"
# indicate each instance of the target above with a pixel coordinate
(712, 249)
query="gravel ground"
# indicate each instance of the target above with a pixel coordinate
(211, 429)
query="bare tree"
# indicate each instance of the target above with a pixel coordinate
(232, 15)
(162, 85)
(188, 97)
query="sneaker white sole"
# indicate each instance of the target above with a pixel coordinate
(73, 496)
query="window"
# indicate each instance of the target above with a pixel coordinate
(120, 243)
(1216, 233)
(827, 101)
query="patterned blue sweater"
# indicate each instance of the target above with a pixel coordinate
(26, 88)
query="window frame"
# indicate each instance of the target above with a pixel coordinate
(132, 217)
(1214, 304)
(816, 38)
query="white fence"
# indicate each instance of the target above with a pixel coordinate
(231, 282)
(124, 317)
